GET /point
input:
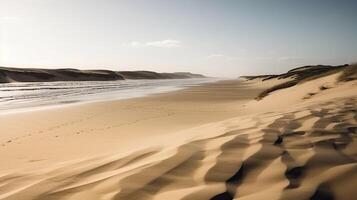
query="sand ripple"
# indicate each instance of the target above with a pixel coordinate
(308, 153)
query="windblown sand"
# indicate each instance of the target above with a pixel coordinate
(207, 142)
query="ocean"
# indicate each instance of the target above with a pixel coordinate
(15, 97)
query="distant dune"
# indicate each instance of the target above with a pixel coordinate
(155, 75)
(8, 75)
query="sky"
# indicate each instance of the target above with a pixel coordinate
(214, 37)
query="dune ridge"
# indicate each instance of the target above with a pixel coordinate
(8, 75)
(306, 73)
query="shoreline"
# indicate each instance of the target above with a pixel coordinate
(76, 102)
(150, 116)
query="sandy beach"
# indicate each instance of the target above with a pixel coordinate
(214, 141)
(92, 129)
(178, 100)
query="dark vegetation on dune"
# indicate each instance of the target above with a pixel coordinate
(306, 73)
(46, 75)
(155, 75)
(349, 73)
(67, 74)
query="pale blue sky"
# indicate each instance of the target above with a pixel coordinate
(216, 38)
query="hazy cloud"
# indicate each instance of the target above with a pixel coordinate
(165, 43)
(135, 44)
(161, 43)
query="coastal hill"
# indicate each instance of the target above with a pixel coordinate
(8, 75)
(303, 74)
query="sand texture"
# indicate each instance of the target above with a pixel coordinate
(207, 142)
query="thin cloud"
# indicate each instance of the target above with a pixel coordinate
(165, 43)
(161, 44)
(135, 44)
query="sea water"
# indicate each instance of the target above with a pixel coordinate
(36, 95)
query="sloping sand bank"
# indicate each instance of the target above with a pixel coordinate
(209, 142)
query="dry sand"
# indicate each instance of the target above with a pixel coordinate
(207, 142)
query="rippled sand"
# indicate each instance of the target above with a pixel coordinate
(208, 142)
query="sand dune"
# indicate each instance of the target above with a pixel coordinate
(8, 75)
(284, 146)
